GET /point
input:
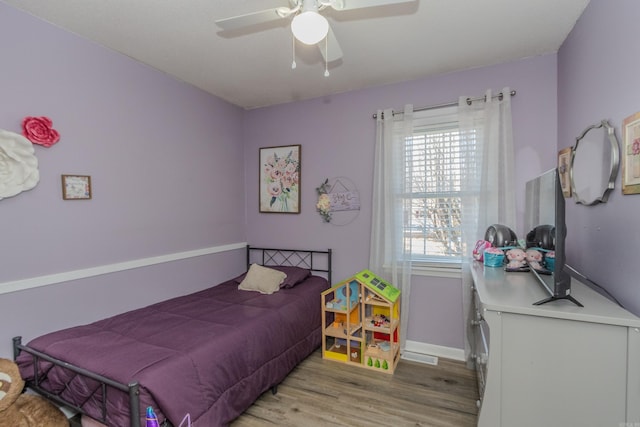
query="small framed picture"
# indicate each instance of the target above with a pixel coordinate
(631, 154)
(280, 179)
(76, 187)
(564, 162)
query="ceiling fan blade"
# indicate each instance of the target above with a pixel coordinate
(250, 19)
(358, 4)
(330, 48)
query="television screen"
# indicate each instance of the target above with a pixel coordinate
(546, 232)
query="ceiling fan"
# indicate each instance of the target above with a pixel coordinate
(307, 24)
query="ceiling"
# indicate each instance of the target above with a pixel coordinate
(252, 67)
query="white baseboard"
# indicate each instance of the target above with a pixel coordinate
(429, 353)
(34, 282)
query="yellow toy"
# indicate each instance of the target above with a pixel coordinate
(24, 410)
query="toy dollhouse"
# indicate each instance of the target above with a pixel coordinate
(361, 322)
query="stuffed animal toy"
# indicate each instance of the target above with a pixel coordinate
(534, 259)
(24, 410)
(479, 248)
(516, 258)
(550, 260)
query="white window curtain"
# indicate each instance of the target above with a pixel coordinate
(491, 195)
(387, 255)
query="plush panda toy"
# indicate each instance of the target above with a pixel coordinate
(24, 410)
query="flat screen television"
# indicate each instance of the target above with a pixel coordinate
(547, 231)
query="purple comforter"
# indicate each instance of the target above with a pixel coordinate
(209, 354)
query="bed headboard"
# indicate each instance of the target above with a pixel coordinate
(316, 261)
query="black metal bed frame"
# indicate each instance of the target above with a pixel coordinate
(132, 389)
(269, 256)
(292, 258)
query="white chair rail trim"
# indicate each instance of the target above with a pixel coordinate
(50, 279)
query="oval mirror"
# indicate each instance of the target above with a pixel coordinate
(594, 164)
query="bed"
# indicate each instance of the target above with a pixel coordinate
(208, 355)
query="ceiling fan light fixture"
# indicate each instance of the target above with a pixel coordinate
(309, 27)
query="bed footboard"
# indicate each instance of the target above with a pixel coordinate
(131, 389)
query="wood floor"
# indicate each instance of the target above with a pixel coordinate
(325, 393)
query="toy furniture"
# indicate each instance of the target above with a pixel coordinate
(361, 323)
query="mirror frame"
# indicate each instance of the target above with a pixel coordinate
(614, 164)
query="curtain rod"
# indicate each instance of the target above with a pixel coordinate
(451, 104)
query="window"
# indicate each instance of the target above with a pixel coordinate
(434, 158)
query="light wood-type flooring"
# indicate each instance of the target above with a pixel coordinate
(326, 393)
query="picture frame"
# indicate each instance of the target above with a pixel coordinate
(279, 178)
(76, 187)
(564, 170)
(631, 154)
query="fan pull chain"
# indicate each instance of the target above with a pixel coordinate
(293, 47)
(326, 55)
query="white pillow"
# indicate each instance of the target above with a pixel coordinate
(262, 279)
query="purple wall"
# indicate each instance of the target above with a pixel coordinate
(175, 169)
(598, 79)
(166, 166)
(337, 134)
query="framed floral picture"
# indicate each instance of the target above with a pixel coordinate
(76, 187)
(280, 179)
(631, 154)
(564, 162)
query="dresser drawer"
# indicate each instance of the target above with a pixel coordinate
(481, 354)
(480, 344)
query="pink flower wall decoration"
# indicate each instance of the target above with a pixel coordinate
(39, 130)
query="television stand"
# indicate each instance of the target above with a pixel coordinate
(554, 298)
(546, 365)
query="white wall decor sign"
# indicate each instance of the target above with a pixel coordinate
(18, 164)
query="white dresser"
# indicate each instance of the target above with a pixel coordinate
(554, 365)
